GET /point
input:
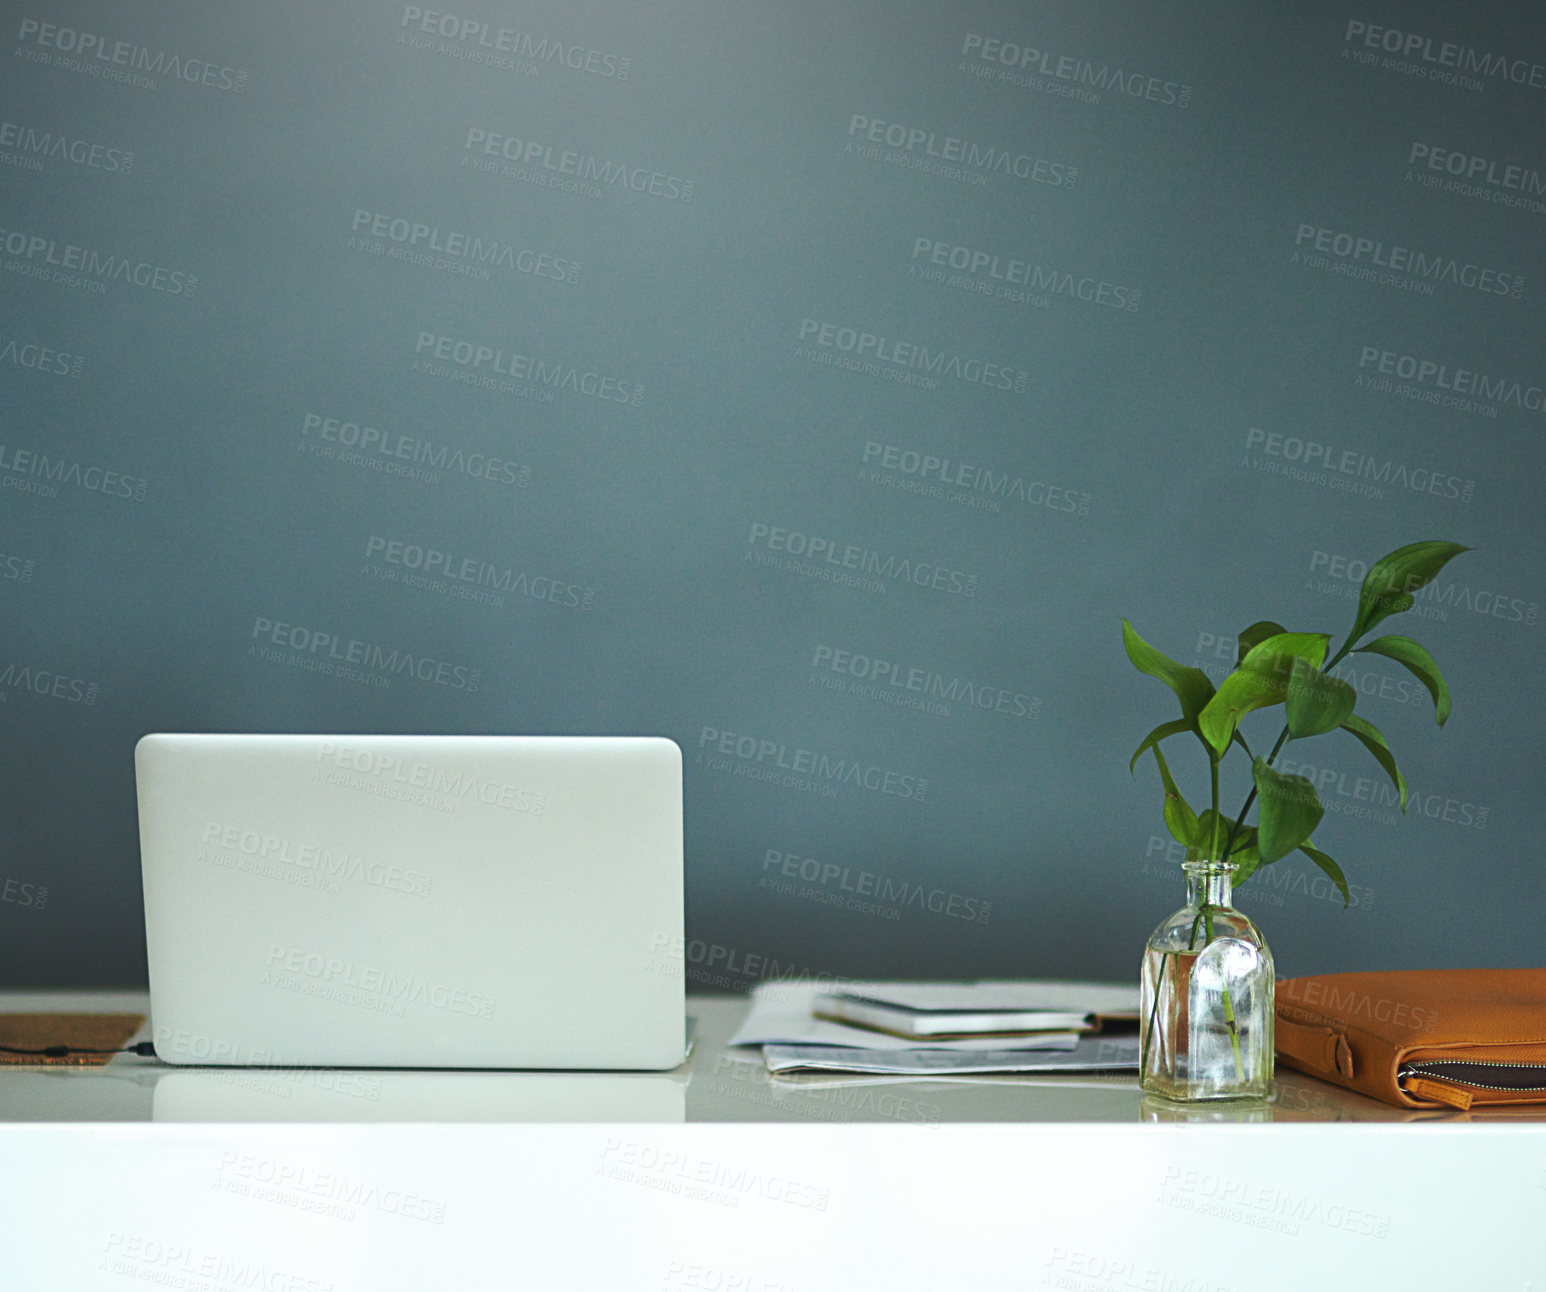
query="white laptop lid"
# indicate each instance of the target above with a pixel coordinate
(414, 901)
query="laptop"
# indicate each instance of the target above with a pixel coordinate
(414, 901)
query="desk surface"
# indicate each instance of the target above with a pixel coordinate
(805, 1185)
(717, 1085)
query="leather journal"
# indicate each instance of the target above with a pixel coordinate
(1424, 1038)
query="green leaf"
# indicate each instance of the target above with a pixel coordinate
(1388, 587)
(1180, 820)
(1406, 651)
(1260, 681)
(1254, 636)
(1316, 702)
(1331, 868)
(1238, 694)
(1245, 838)
(1191, 685)
(1162, 732)
(1289, 810)
(1244, 853)
(1274, 656)
(1374, 742)
(1202, 845)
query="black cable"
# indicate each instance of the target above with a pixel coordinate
(145, 1049)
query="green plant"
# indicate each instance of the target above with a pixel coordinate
(1275, 666)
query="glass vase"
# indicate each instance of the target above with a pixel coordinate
(1206, 1001)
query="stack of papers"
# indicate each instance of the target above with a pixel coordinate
(1091, 1054)
(797, 1027)
(924, 1011)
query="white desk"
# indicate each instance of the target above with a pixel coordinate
(307, 1182)
(717, 1084)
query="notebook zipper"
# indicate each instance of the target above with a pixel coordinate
(1451, 1070)
(1438, 1079)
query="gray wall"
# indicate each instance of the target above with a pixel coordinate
(648, 318)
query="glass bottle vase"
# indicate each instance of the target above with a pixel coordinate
(1207, 997)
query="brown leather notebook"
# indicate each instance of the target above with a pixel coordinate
(1421, 1038)
(99, 1034)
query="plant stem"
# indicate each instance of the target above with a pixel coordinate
(1250, 798)
(1229, 1007)
(1148, 1032)
(1207, 913)
(1239, 821)
(1213, 841)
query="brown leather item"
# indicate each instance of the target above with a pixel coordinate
(1421, 1038)
(97, 1032)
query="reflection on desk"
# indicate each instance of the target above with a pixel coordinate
(720, 1084)
(145, 1090)
(336, 1095)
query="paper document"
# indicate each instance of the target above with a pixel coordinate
(1117, 1054)
(780, 1014)
(929, 1025)
(996, 995)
